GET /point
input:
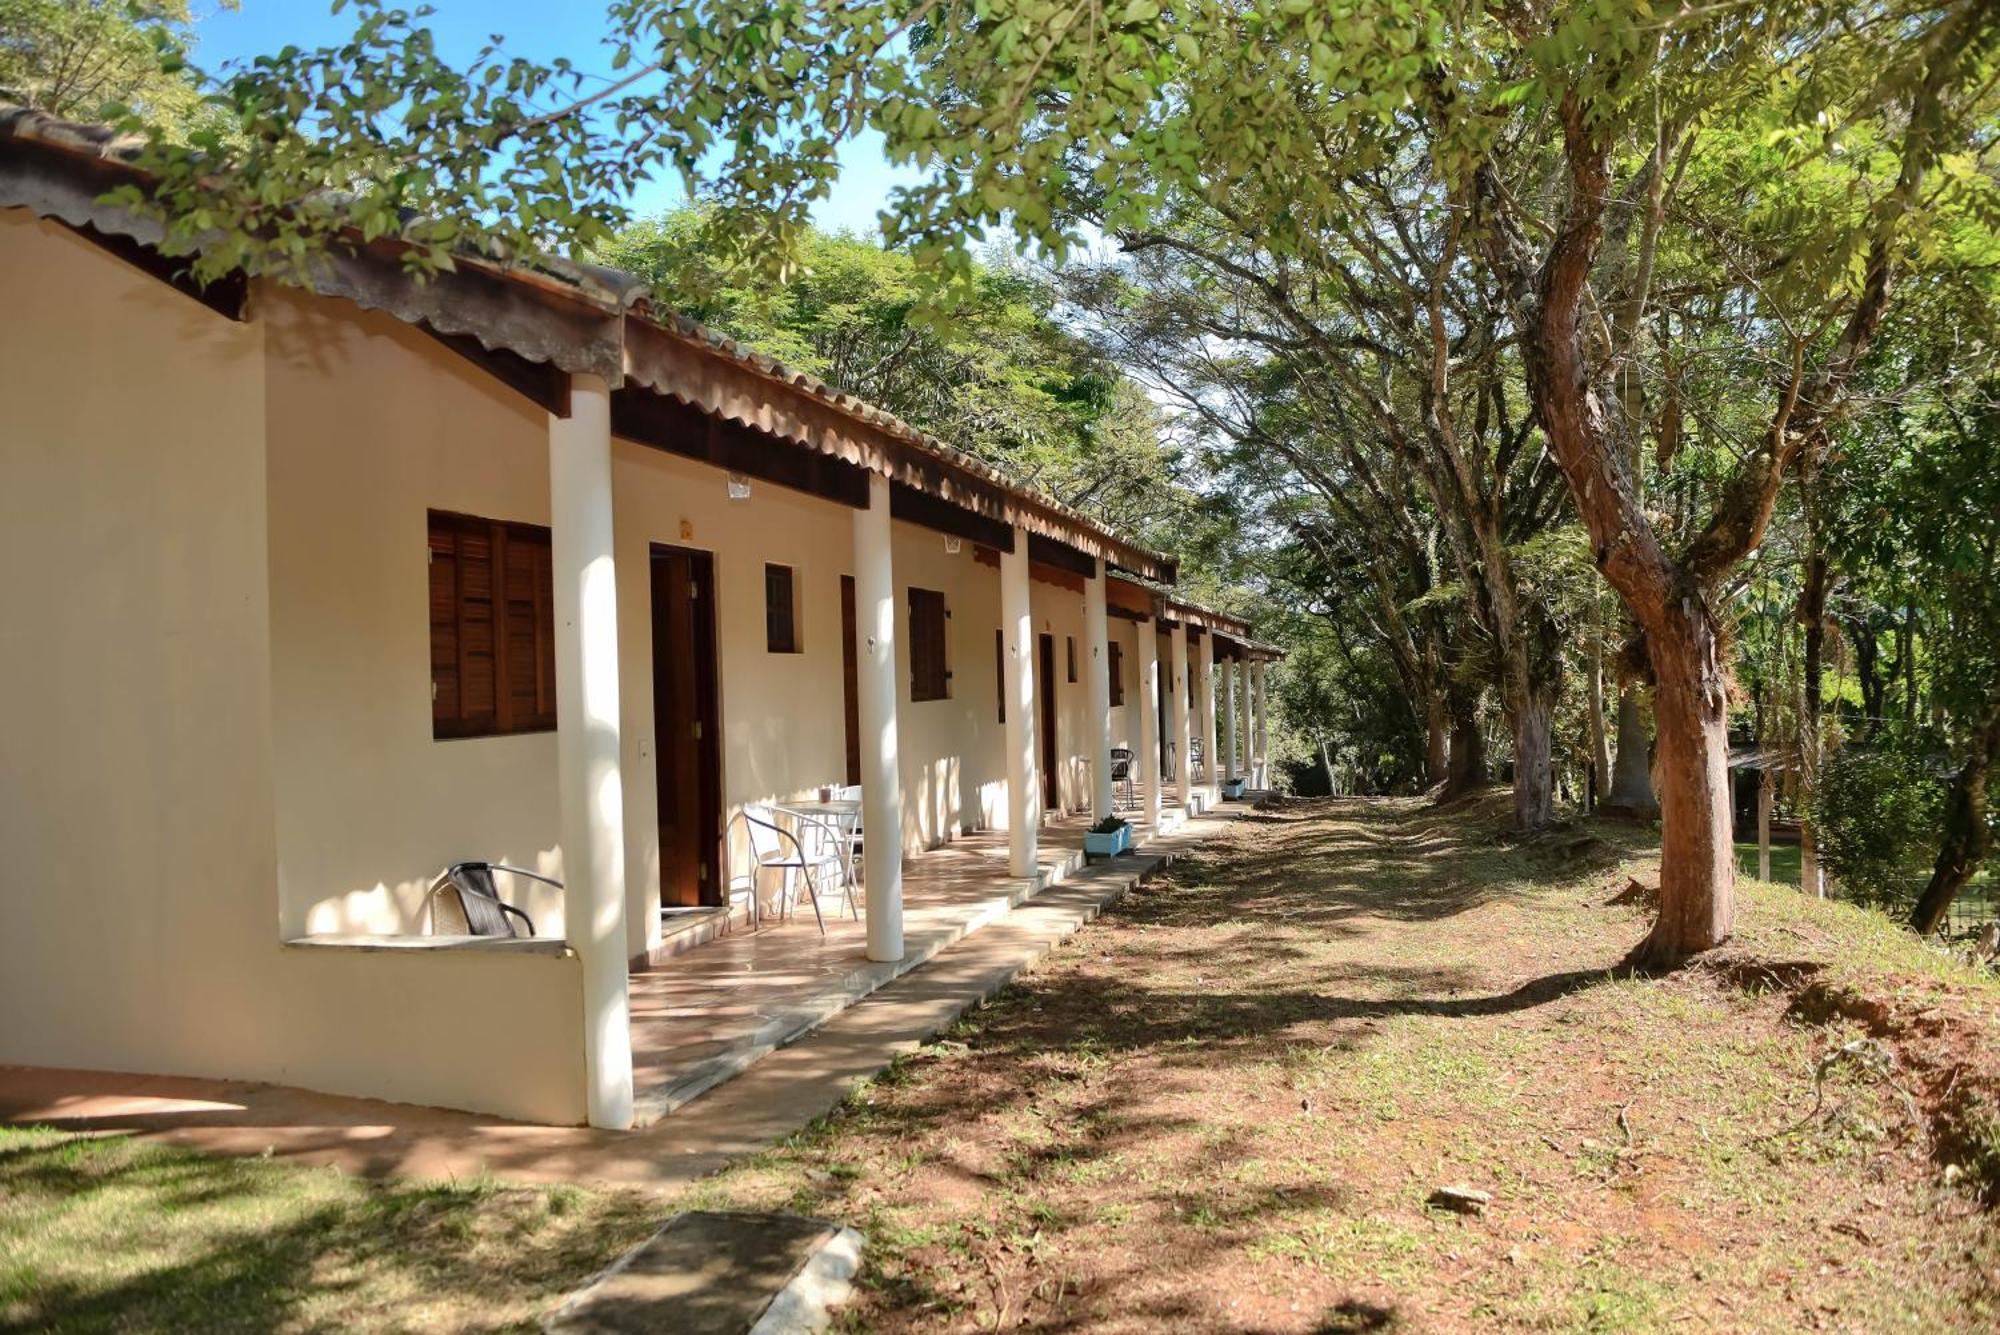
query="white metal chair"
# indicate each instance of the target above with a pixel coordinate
(1196, 760)
(832, 835)
(775, 848)
(852, 793)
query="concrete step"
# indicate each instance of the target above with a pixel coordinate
(720, 1272)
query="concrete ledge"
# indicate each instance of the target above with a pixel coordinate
(495, 945)
(715, 1272)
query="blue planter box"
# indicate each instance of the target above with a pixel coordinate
(1107, 845)
(1232, 788)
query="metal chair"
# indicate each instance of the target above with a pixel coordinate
(776, 848)
(1196, 760)
(852, 793)
(477, 905)
(1123, 788)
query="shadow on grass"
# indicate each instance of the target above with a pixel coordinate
(227, 1244)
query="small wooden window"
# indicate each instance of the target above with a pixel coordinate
(781, 610)
(493, 651)
(930, 674)
(1070, 644)
(1000, 671)
(1117, 669)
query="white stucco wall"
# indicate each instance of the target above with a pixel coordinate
(217, 642)
(139, 790)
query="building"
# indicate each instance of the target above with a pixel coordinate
(312, 593)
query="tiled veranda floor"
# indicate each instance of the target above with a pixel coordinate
(704, 1015)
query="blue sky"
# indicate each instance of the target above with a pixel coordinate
(538, 29)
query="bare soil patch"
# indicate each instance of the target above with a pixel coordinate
(1231, 1105)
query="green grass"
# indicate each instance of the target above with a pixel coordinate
(1784, 862)
(102, 1234)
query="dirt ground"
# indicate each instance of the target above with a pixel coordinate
(1228, 1105)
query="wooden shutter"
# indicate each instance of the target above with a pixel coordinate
(1000, 671)
(528, 663)
(492, 615)
(1116, 665)
(781, 632)
(1069, 642)
(929, 674)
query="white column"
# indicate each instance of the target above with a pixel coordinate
(1263, 728)
(1205, 715)
(1228, 718)
(1017, 633)
(589, 787)
(1177, 709)
(881, 773)
(1243, 704)
(1149, 719)
(1097, 636)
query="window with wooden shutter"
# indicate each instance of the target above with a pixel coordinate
(1000, 672)
(492, 608)
(930, 674)
(781, 610)
(1116, 664)
(1070, 645)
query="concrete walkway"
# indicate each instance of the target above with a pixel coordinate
(765, 1103)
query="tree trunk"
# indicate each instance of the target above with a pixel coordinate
(1811, 614)
(1967, 832)
(1632, 772)
(1468, 751)
(1766, 799)
(1909, 655)
(1600, 741)
(1534, 791)
(1437, 727)
(1697, 846)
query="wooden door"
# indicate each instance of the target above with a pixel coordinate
(1045, 691)
(850, 678)
(1162, 699)
(686, 734)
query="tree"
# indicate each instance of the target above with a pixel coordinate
(1830, 138)
(1928, 495)
(996, 374)
(72, 58)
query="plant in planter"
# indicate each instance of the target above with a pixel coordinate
(1108, 838)
(1232, 788)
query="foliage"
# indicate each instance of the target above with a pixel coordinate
(1879, 810)
(997, 374)
(70, 58)
(1397, 273)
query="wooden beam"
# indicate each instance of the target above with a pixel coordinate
(1122, 596)
(1061, 555)
(667, 424)
(920, 507)
(539, 383)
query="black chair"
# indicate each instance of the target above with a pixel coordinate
(1122, 786)
(475, 901)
